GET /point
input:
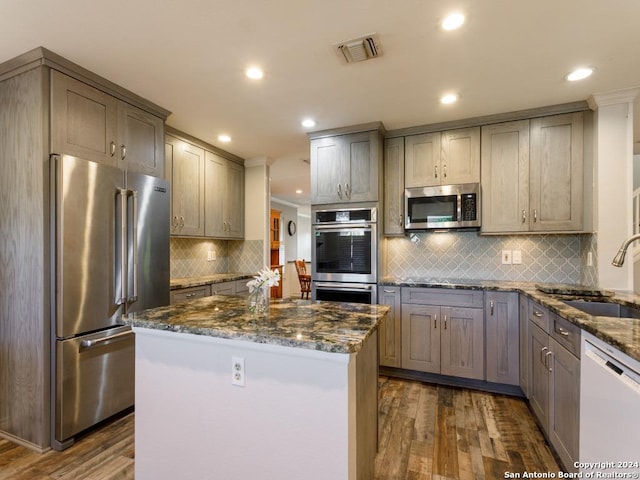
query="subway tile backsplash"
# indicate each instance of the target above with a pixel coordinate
(467, 255)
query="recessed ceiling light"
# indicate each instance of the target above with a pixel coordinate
(453, 21)
(580, 73)
(449, 98)
(254, 73)
(308, 123)
(298, 191)
(224, 138)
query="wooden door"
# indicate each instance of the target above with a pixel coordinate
(503, 325)
(360, 151)
(140, 141)
(187, 187)
(234, 200)
(327, 170)
(538, 373)
(215, 188)
(421, 338)
(462, 342)
(83, 120)
(505, 177)
(422, 160)
(556, 173)
(393, 172)
(389, 336)
(460, 157)
(524, 344)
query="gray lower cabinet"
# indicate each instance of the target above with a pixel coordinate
(189, 293)
(443, 332)
(554, 389)
(523, 304)
(502, 338)
(223, 288)
(389, 332)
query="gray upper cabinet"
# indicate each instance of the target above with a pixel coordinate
(186, 172)
(442, 158)
(345, 168)
(224, 197)
(502, 327)
(393, 186)
(91, 124)
(532, 175)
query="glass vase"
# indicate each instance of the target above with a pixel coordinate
(258, 301)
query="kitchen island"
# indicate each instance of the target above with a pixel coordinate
(221, 393)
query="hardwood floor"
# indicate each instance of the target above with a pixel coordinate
(425, 432)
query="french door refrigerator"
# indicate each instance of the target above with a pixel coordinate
(110, 237)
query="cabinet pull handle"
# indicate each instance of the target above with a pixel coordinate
(562, 332)
(535, 215)
(435, 321)
(189, 295)
(347, 190)
(436, 171)
(444, 171)
(445, 322)
(546, 360)
(339, 190)
(388, 291)
(123, 151)
(537, 313)
(112, 147)
(491, 307)
(542, 359)
(174, 222)
(524, 216)
(181, 222)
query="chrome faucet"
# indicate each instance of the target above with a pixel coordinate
(618, 260)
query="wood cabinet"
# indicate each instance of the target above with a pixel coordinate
(393, 186)
(224, 197)
(502, 337)
(345, 168)
(532, 175)
(91, 124)
(442, 332)
(389, 333)
(523, 304)
(554, 389)
(442, 158)
(186, 172)
(274, 230)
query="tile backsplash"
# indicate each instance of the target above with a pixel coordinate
(467, 255)
(189, 256)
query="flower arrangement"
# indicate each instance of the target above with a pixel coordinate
(258, 299)
(266, 278)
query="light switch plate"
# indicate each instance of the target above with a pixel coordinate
(506, 257)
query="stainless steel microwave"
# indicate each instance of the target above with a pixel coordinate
(444, 207)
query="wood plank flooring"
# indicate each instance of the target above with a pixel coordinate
(426, 432)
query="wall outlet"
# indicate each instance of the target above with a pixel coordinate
(517, 257)
(589, 259)
(506, 257)
(211, 255)
(237, 371)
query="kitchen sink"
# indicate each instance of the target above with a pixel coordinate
(604, 309)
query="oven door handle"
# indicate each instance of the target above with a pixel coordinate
(345, 286)
(343, 226)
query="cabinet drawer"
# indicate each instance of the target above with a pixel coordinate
(539, 315)
(224, 288)
(446, 297)
(190, 293)
(241, 287)
(566, 334)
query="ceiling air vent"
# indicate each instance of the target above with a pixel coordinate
(360, 49)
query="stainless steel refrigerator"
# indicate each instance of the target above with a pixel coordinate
(110, 237)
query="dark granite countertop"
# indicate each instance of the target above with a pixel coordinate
(621, 333)
(324, 326)
(186, 282)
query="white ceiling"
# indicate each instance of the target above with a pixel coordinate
(189, 57)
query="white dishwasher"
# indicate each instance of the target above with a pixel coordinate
(609, 408)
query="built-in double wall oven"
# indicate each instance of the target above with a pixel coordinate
(344, 254)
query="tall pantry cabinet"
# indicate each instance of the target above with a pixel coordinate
(50, 105)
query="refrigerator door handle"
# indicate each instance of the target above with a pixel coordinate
(122, 193)
(134, 245)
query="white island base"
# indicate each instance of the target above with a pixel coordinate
(302, 414)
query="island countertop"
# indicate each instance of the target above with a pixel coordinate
(325, 326)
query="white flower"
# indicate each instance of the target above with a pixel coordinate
(266, 278)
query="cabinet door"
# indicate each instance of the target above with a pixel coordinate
(502, 323)
(462, 342)
(327, 170)
(538, 373)
(361, 154)
(140, 141)
(460, 158)
(186, 173)
(421, 338)
(505, 177)
(389, 336)
(422, 160)
(564, 407)
(215, 188)
(524, 344)
(189, 293)
(394, 186)
(234, 200)
(83, 120)
(556, 173)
